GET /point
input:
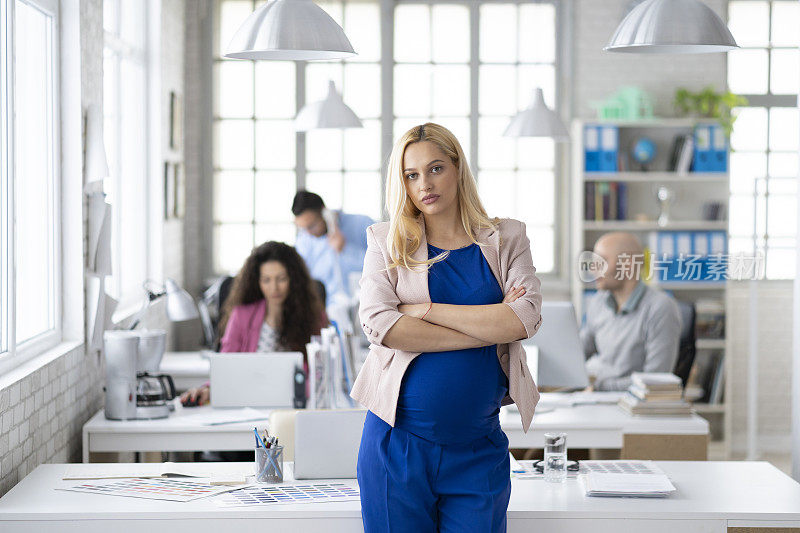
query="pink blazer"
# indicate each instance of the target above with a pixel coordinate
(244, 327)
(507, 250)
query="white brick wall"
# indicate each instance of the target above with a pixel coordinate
(597, 74)
(43, 414)
(172, 52)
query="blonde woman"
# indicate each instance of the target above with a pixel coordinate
(446, 295)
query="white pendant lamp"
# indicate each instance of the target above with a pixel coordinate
(331, 112)
(671, 27)
(537, 121)
(297, 30)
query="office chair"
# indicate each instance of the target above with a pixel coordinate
(213, 299)
(321, 292)
(686, 347)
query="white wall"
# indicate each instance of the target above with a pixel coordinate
(597, 74)
(44, 403)
(774, 303)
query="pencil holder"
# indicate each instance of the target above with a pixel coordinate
(269, 464)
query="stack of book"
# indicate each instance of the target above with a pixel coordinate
(605, 200)
(655, 393)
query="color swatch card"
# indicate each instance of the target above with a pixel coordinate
(277, 494)
(620, 467)
(175, 490)
(531, 470)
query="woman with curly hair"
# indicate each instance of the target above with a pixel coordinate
(273, 307)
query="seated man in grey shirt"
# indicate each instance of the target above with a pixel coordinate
(629, 326)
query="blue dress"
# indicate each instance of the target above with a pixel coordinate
(454, 397)
(444, 465)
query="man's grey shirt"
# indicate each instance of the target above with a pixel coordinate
(643, 336)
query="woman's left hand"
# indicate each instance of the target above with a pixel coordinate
(413, 310)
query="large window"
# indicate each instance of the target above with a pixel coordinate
(344, 166)
(29, 178)
(467, 65)
(125, 110)
(255, 149)
(764, 161)
(474, 88)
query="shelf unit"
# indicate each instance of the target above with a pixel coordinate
(691, 189)
(635, 225)
(656, 176)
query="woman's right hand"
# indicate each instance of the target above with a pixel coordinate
(196, 396)
(515, 293)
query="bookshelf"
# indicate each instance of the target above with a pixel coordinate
(635, 225)
(641, 208)
(656, 176)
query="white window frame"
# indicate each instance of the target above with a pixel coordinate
(557, 279)
(762, 184)
(16, 354)
(130, 302)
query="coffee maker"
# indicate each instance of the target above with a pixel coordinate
(134, 389)
(121, 351)
(153, 390)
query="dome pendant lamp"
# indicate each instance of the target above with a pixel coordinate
(671, 27)
(294, 30)
(538, 120)
(329, 113)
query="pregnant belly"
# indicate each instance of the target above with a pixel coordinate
(452, 397)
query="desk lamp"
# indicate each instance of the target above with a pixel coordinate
(180, 304)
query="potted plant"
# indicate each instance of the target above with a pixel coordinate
(709, 103)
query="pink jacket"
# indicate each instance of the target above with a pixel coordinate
(244, 327)
(507, 250)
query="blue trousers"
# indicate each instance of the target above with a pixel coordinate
(410, 484)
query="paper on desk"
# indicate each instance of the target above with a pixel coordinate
(214, 473)
(626, 485)
(213, 417)
(571, 399)
(526, 470)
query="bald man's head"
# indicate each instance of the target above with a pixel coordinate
(610, 247)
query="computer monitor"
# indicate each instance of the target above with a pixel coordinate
(326, 443)
(560, 361)
(254, 379)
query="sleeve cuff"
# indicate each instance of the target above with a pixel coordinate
(527, 314)
(378, 328)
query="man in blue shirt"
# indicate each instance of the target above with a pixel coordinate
(332, 243)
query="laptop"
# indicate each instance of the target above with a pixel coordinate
(261, 380)
(560, 361)
(326, 443)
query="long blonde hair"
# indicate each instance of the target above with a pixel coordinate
(405, 231)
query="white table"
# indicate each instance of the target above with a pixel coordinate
(607, 426)
(711, 497)
(587, 426)
(184, 430)
(188, 369)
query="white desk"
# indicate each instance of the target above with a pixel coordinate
(184, 430)
(607, 426)
(711, 497)
(587, 426)
(188, 369)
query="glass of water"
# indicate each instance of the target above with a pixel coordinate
(555, 457)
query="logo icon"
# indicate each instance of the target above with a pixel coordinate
(591, 266)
